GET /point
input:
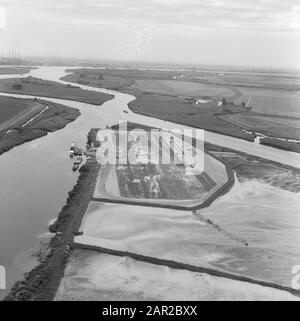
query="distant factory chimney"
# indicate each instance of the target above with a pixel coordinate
(13, 58)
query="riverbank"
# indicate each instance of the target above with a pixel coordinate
(245, 232)
(52, 117)
(49, 118)
(45, 88)
(248, 166)
(7, 70)
(166, 104)
(42, 282)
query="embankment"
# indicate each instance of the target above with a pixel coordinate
(45, 88)
(281, 144)
(42, 282)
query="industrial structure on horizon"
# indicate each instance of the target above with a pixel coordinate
(13, 58)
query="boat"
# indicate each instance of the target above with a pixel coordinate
(72, 149)
(79, 152)
(75, 166)
(78, 160)
(73, 145)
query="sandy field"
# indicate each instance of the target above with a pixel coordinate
(253, 230)
(101, 277)
(45, 88)
(154, 182)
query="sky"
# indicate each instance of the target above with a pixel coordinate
(262, 33)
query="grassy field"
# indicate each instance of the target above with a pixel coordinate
(254, 168)
(14, 70)
(264, 79)
(98, 78)
(55, 117)
(166, 103)
(10, 107)
(287, 80)
(148, 81)
(38, 87)
(180, 110)
(171, 95)
(288, 128)
(277, 143)
(270, 101)
(183, 88)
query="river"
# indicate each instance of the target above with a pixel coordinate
(36, 176)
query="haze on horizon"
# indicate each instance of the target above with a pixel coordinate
(262, 33)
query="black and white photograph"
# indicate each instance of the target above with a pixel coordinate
(149, 152)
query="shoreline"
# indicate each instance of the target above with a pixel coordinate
(41, 283)
(279, 144)
(32, 86)
(58, 115)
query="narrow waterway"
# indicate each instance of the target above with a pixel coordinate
(36, 176)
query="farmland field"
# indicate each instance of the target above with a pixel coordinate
(10, 107)
(43, 88)
(288, 128)
(274, 102)
(183, 88)
(171, 95)
(253, 230)
(181, 111)
(14, 70)
(26, 119)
